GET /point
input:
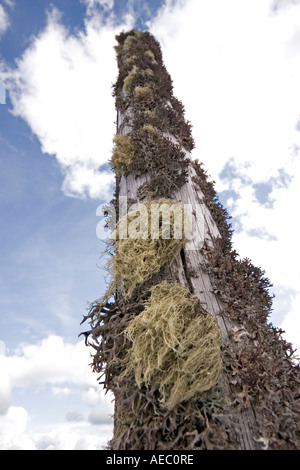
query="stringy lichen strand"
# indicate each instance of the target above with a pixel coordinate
(123, 154)
(136, 259)
(174, 343)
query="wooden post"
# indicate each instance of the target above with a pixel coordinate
(255, 402)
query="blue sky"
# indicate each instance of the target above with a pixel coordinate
(235, 66)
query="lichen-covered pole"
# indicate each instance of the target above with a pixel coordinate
(181, 336)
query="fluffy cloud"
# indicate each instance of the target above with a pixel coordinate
(92, 4)
(51, 361)
(5, 394)
(71, 435)
(62, 89)
(13, 434)
(291, 324)
(63, 366)
(236, 69)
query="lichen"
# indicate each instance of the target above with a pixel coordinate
(176, 344)
(123, 154)
(146, 239)
(128, 43)
(149, 72)
(130, 59)
(130, 79)
(149, 54)
(143, 92)
(150, 128)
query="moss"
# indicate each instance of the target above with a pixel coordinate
(123, 154)
(146, 239)
(175, 344)
(130, 79)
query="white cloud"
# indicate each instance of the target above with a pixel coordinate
(15, 434)
(62, 89)
(235, 66)
(65, 367)
(4, 21)
(5, 393)
(49, 362)
(279, 4)
(81, 179)
(61, 391)
(92, 4)
(99, 416)
(73, 436)
(291, 325)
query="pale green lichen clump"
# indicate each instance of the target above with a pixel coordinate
(146, 239)
(176, 344)
(130, 79)
(123, 154)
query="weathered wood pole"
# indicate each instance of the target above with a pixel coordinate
(182, 336)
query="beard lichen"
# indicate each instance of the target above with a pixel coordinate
(130, 79)
(176, 344)
(146, 238)
(123, 154)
